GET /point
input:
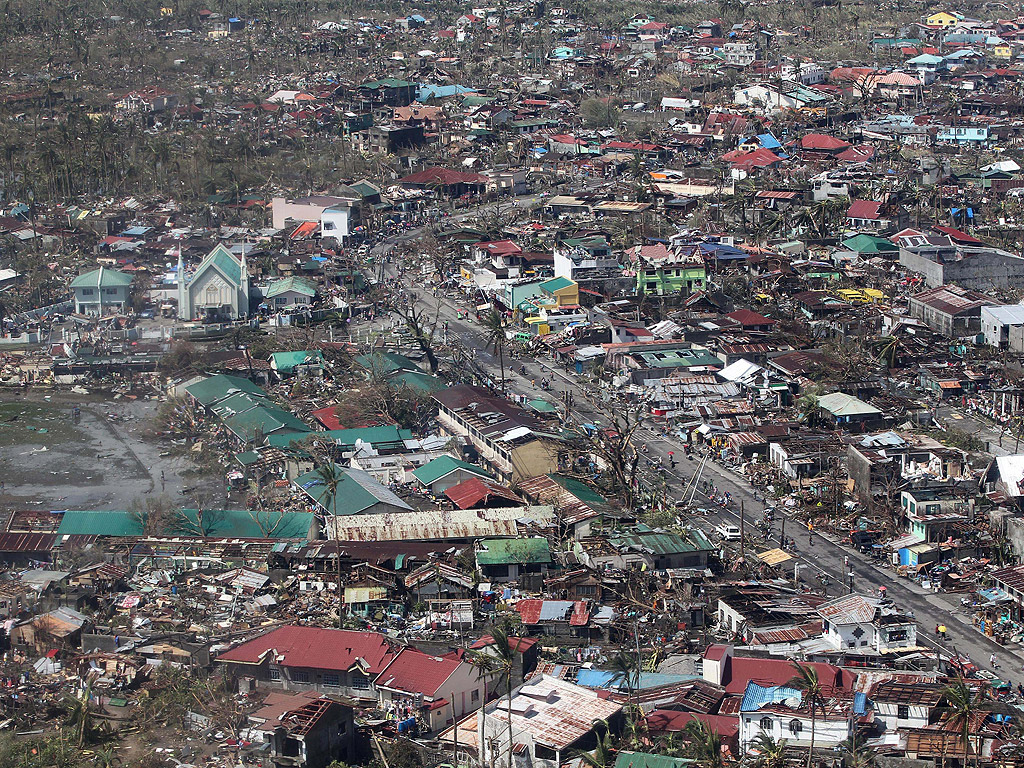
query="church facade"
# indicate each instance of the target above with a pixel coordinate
(217, 290)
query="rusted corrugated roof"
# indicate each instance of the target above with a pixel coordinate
(27, 542)
(439, 525)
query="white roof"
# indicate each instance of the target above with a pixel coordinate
(841, 404)
(1011, 472)
(1011, 314)
(741, 370)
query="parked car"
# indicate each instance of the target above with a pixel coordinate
(728, 532)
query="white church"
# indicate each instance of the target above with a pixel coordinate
(217, 290)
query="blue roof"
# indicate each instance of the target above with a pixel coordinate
(722, 251)
(606, 678)
(427, 92)
(768, 141)
(860, 703)
(757, 696)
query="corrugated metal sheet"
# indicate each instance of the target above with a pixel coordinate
(27, 542)
(439, 525)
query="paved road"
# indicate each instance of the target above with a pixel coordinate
(816, 554)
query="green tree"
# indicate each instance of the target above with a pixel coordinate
(603, 754)
(600, 112)
(771, 752)
(705, 747)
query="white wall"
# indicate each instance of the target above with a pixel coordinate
(826, 732)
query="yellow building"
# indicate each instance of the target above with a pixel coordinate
(165, 11)
(564, 291)
(942, 19)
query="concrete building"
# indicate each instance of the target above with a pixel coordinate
(336, 214)
(512, 442)
(950, 310)
(973, 267)
(551, 719)
(102, 291)
(997, 322)
(304, 730)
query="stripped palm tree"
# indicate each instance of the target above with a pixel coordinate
(326, 474)
(770, 752)
(496, 340)
(964, 712)
(497, 660)
(806, 681)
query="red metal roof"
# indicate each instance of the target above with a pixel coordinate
(957, 236)
(443, 177)
(822, 141)
(668, 721)
(27, 542)
(863, 209)
(413, 671)
(747, 318)
(316, 648)
(580, 614)
(477, 492)
(529, 610)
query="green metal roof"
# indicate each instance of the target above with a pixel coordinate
(287, 362)
(542, 406)
(227, 264)
(386, 362)
(868, 244)
(356, 492)
(245, 524)
(119, 523)
(263, 421)
(647, 760)
(247, 458)
(840, 404)
(580, 490)
(386, 82)
(104, 277)
(296, 284)
(240, 402)
(678, 358)
(556, 284)
(221, 386)
(434, 470)
(421, 382)
(513, 551)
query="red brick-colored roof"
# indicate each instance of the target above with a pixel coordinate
(443, 177)
(822, 141)
(316, 648)
(957, 236)
(746, 318)
(414, 671)
(864, 209)
(740, 670)
(478, 492)
(669, 721)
